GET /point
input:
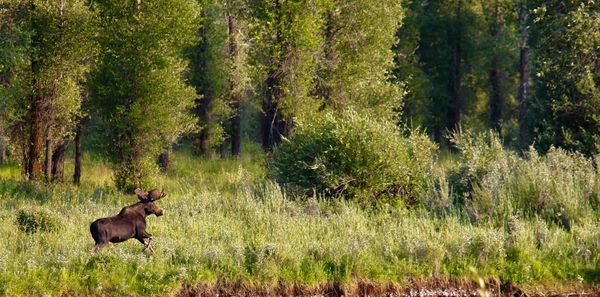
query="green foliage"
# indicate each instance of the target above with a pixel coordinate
(34, 220)
(357, 56)
(224, 221)
(46, 50)
(448, 54)
(444, 41)
(494, 184)
(356, 157)
(143, 100)
(286, 49)
(217, 74)
(566, 39)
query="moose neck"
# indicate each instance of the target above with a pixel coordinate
(137, 209)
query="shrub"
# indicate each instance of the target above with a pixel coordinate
(34, 220)
(559, 187)
(356, 157)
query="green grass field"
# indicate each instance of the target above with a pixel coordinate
(226, 220)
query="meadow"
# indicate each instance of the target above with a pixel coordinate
(226, 220)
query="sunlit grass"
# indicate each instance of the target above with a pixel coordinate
(223, 219)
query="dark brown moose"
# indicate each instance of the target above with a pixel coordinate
(129, 223)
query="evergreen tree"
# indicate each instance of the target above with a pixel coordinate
(139, 86)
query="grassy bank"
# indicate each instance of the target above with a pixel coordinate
(225, 220)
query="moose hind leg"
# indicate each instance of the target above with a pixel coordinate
(97, 248)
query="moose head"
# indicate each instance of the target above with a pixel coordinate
(147, 200)
(129, 223)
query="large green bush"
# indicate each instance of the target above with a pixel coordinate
(353, 156)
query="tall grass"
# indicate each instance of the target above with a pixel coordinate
(223, 219)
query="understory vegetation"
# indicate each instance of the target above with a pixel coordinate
(528, 219)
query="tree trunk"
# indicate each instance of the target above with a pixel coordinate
(454, 83)
(77, 171)
(523, 76)
(48, 155)
(2, 144)
(274, 124)
(203, 105)
(24, 154)
(236, 129)
(224, 148)
(58, 162)
(202, 143)
(36, 140)
(497, 97)
(36, 135)
(164, 160)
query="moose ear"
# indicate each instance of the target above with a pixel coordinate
(141, 194)
(155, 194)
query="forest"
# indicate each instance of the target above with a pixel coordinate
(307, 147)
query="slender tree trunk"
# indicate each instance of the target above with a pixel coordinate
(203, 105)
(224, 148)
(202, 143)
(523, 75)
(274, 124)
(437, 134)
(496, 75)
(58, 162)
(2, 144)
(36, 133)
(77, 171)
(24, 154)
(236, 127)
(236, 130)
(454, 84)
(164, 160)
(36, 140)
(48, 156)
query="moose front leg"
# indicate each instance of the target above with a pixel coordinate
(141, 238)
(149, 246)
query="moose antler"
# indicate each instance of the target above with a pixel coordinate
(156, 194)
(142, 195)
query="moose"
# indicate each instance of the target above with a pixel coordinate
(129, 223)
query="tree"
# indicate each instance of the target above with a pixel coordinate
(354, 67)
(139, 87)
(565, 36)
(285, 55)
(209, 76)
(523, 93)
(48, 97)
(238, 78)
(449, 37)
(220, 75)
